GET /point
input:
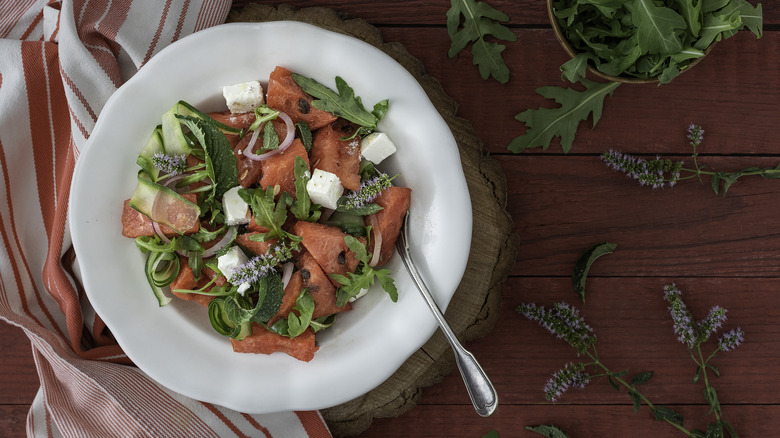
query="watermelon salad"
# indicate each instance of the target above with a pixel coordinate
(272, 214)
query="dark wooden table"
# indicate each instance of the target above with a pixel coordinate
(718, 250)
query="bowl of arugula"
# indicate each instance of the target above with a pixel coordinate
(644, 41)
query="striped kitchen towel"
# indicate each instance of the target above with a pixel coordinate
(59, 63)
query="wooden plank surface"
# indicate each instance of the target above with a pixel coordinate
(719, 250)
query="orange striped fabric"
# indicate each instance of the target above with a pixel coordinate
(60, 60)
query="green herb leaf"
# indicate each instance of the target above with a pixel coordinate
(297, 324)
(545, 123)
(642, 378)
(342, 103)
(267, 212)
(656, 27)
(304, 133)
(548, 431)
(479, 21)
(220, 161)
(663, 413)
(714, 430)
(580, 274)
(364, 277)
(491, 434)
(636, 398)
(302, 206)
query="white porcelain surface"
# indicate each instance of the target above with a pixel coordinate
(175, 345)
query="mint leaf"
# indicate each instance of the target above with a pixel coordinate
(479, 20)
(220, 161)
(580, 274)
(545, 123)
(642, 378)
(341, 103)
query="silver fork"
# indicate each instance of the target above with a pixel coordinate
(481, 391)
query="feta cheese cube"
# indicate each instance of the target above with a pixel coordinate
(243, 287)
(376, 146)
(235, 209)
(324, 188)
(243, 97)
(229, 261)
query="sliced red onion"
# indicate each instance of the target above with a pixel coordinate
(170, 180)
(377, 248)
(230, 234)
(287, 271)
(159, 232)
(288, 139)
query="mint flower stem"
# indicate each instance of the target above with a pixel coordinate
(628, 386)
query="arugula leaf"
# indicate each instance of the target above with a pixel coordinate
(480, 20)
(343, 102)
(364, 277)
(304, 133)
(545, 123)
(304, 304)
(656, 27)
(302, 205)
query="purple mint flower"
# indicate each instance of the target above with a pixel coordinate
(651, 173)
(571, 376)
(711, 323)
(171, 164)
(563, 321)
(695, 134)
(369, 190)
(731, 339)
(684, 326)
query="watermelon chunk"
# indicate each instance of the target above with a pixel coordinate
(291, 293)
(320, 287)
(326, 244)
(284, 94)
(340, 157)
(262, 341)
(280, 168)
(387, 222)
(186, 280)
(136, 224)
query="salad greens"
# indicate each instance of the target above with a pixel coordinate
(648, 38)
(643, 39)
(187, 168)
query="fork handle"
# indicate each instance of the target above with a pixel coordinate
(481, 391)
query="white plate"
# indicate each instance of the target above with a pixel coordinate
(175, 345)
